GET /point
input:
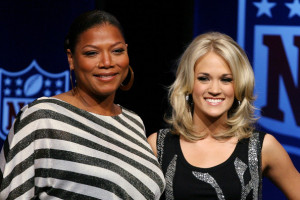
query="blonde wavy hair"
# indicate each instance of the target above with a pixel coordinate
(241, 115)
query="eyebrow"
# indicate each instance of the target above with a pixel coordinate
(207, 74)
(203, 73)
(119, 43)
(113, 45)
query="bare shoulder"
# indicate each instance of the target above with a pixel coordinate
(270, 143)
(278, 166)
(152, 141)
(272, 151)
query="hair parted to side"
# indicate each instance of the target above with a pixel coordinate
(86, 21)
(240, 117)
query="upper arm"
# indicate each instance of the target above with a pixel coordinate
(152, 141)
(17, 168)
(17, 158)
(278, 166)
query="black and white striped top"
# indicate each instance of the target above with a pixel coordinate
(57, 151)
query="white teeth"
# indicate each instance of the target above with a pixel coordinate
(105, 76)
(214, 100)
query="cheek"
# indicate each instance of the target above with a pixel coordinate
(122, 60)
(229, 92)
(125, 73)
(123, 64)
(198, 93)
(199, 89)
(84, 65)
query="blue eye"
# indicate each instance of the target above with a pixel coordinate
(228, 80)
(203, 78)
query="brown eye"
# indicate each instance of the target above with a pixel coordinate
(90, 53)
(118, 51)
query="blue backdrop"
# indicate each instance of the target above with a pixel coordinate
(269, 32)
(32, 58)
(33, 62)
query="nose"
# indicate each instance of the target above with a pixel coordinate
(214, 88)
(105, 60)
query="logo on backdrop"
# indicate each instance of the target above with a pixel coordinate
(20, 88)
(269, 32)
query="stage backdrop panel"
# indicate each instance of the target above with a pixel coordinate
(269, 32)
(32, 58)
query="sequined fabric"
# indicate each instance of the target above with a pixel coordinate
(238, 178)
(160, 144)
(169, 179)
(205, 177)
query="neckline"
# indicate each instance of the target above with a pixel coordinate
(82, 110)
(195, 168)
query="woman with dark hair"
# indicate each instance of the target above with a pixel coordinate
(80, 144)
(212, 150)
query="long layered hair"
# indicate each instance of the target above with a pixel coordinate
(241, 115)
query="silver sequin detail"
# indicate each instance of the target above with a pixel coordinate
(160, 144)
(241, 167)
(205, 177)
(253, 163)
(169, 176)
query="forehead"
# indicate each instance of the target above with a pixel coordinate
(104, 32)
(212, 63)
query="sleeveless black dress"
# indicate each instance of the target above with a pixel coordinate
(238, 178)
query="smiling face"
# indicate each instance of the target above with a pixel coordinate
(100, 61)
(213, 92)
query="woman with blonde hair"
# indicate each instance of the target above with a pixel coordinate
(212, 150)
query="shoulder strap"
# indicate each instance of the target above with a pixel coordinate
(160, 143)
(259, 135)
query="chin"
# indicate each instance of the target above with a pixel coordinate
(104, 93)
(216, 115)
(106, 90)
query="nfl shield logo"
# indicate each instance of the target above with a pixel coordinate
(269, 31)
(20, 88)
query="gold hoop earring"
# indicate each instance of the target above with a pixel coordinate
(130, 83)
(71, 80)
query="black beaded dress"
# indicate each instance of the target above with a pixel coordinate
(238, 178)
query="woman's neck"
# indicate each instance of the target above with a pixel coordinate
(102, 105)
(210, 126)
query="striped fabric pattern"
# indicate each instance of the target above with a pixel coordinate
(57, 151)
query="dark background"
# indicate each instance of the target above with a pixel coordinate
(157, 33)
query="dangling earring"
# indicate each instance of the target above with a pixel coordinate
(239, 102)
(71, 80)
(130, 83)
(189, 100)
(187, 97)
